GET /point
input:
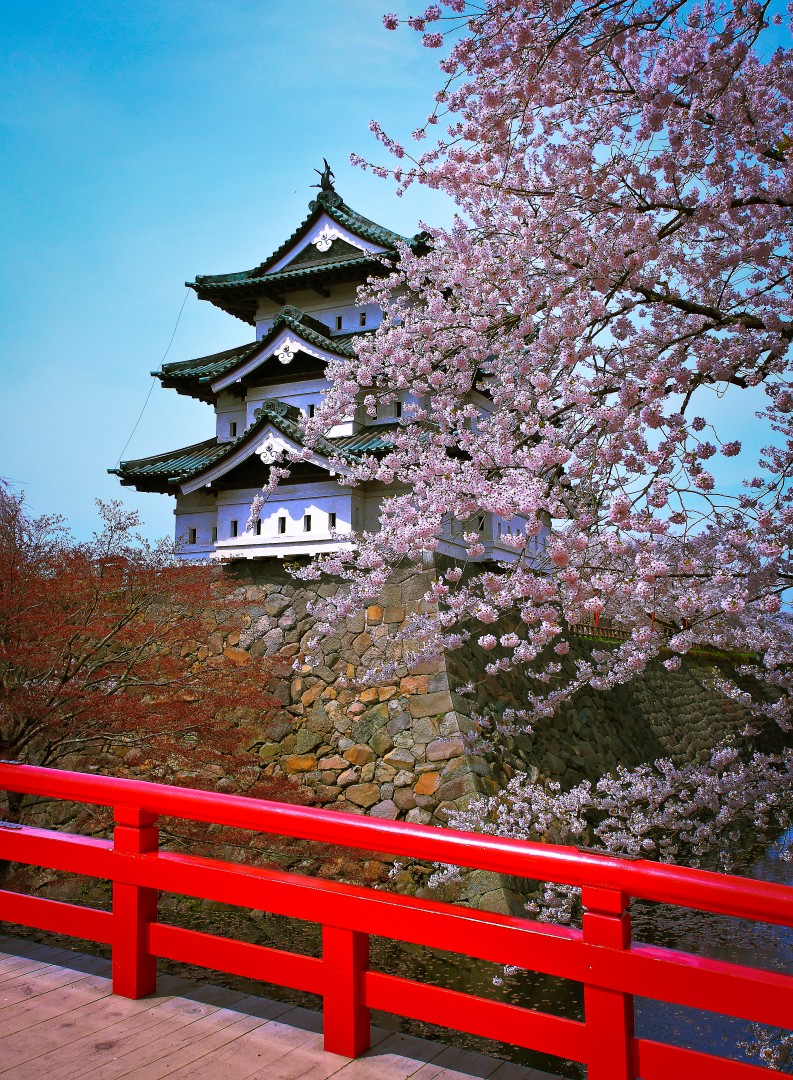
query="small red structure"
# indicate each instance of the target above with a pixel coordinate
(601, 956)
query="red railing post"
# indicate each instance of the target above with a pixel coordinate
(608, 1013)
(134, 907)
(345, 956)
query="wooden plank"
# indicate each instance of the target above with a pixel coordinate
(121, 1052)
(12, 968)
(34, 950)
(250, 1055)
(13, 963)
(508, 1071)
(83, 965)
(396, 1058)
(90, 1008)
(452, 1058)
(48, 1007)
(36, 984)
(138, 1039)
(312, 1062)
(124, 1025)
(191, 1050)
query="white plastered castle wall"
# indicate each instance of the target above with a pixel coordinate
(340, 304)
(230, 410)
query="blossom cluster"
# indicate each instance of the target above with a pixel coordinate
(663, 811)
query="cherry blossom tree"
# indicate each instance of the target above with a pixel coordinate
(614, 291)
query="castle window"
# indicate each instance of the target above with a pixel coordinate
(214, 534)
(311, 410)
(362, 318)
(259, 527)
(307, 523)
(233, 428)
(192, 536)
(281, 525)
(481, 522)
(331, 521)
(233, 527)
(338, 322)
(397, 409)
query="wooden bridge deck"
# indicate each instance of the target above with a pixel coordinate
(59, 1020)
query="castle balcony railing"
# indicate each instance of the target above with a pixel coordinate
(602, 956)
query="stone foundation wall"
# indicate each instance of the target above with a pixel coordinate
(400, 750)
(392, 751)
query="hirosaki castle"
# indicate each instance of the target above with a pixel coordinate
(302, 302)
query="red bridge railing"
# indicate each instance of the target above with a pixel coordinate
(601, 956)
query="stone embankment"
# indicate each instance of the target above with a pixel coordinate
(393, 751)
(408, 749)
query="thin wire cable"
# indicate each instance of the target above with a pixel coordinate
(154, 379)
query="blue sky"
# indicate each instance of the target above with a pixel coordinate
(143, 144)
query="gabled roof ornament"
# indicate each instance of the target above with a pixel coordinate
(328, 196)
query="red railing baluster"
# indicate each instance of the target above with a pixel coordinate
(345, 956)
(134, 967)
(608, 1013)
(601, 956)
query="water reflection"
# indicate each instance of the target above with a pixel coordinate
(757, 945)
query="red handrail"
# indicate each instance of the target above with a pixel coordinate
(601, 956)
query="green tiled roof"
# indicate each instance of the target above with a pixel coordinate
(289, 274)
(238, 293)
(368, 440)
(193, 377)
(162, 471)
(165, 472)
(343, 215)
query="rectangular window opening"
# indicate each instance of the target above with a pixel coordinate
(331, 521)
(281, 526)
(481, 522)
(233, 527)
(311, 410)
(362, 318)
(259, 527)
(192, 536)
(397, 409)
(338, 322)
(214, 534)
(233, 428)
(307, 523)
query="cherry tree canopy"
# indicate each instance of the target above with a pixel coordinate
(618, 275)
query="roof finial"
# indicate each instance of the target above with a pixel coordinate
(325, 178)
(328, 196)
